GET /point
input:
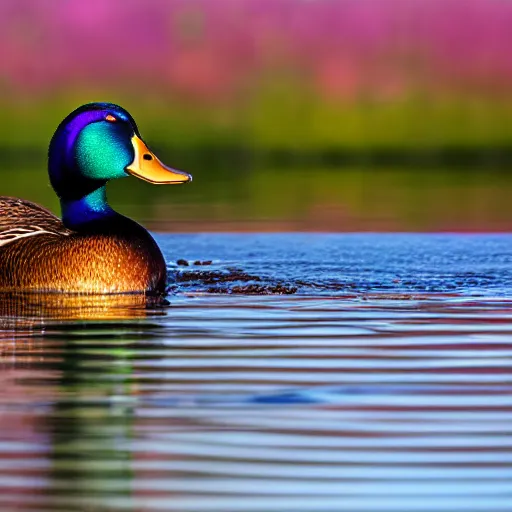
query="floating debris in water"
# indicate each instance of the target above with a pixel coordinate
(228, 281)
(255, 289)
(204, 263)
(215, 276)
(186, 263)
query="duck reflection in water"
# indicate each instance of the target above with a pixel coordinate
(22, 309)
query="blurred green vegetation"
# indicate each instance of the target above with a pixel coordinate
(240, 195)
(279, 116)
(286, 158)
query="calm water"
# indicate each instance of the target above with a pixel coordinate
(382, 384)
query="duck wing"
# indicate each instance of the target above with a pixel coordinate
(21, 219)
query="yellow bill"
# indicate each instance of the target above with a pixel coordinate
(148, 167)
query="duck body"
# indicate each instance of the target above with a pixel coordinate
(93, 249)
(38, 253)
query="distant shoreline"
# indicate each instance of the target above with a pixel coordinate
(489, 157)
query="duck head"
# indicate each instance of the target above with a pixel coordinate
(96, 143)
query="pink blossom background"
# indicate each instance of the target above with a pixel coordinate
(212, 47)
(226, 52)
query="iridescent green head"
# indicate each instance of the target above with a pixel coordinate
(96, 143)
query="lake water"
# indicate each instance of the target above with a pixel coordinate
(378, 380)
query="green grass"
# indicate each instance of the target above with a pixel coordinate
(279, 117)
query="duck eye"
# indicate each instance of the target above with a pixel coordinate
(110, 118)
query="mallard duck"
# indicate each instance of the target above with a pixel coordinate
(93, 249)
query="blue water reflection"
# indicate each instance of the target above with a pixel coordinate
(383, 383)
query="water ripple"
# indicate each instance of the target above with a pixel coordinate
(393, 399)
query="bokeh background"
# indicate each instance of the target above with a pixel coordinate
(291, 114)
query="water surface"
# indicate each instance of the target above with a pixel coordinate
(381, 380)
